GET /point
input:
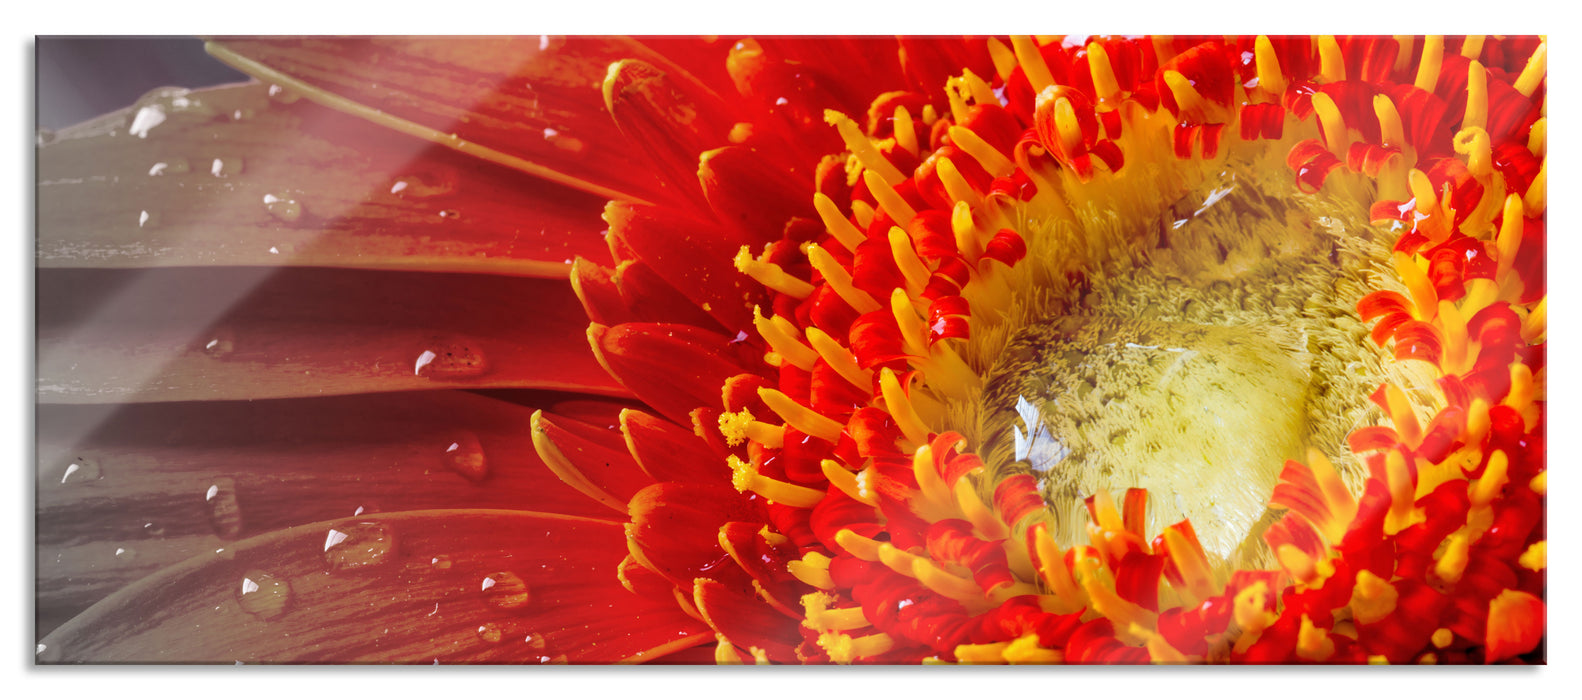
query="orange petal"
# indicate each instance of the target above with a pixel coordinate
(1515, 626)
(179, 334)
(475, 586)
(535, 101)
(234, 177)
(126, 490)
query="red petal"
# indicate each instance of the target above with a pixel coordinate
(668, 452)
(747, 621)
(410, 592)
(672, 368)
(143, 475)
(598, 454)
(675, 528)
(693, 256)
(298, 185)
(536, 99)
(176, 334)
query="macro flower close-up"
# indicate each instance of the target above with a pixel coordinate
(801, 350)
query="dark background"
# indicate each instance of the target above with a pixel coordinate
(82, 77)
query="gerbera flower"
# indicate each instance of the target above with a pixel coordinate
(1017, 349)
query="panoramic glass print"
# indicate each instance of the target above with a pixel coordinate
(800, 350)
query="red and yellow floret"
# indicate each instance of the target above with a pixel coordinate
(816, 347)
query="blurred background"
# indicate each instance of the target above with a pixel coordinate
(82, 77)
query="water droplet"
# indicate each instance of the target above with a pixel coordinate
(357, 546)
(147, 219)
(219, 344)
(81, 470)
(535, 641)
(465, 456)
(283, 206)
(125, 554)
(431, 182)
(147, 117)
(225, 513)
(39, 649)
(439, 563)
(263, 596)
(506, 591)
(225, 167)
(449, 214)
(44, 653)
(170, 166)
(282, 95)
(153, 530)
(564, 141)
(452, 358)
(490, 632)
(243, 114)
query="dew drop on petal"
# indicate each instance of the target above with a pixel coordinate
(282, 95)
(125, 554)
(490, 632)
(564, 141)
(506, 591)
(451, 358)
(81, 470)
(464, 455)
(433, 181)
(439, 562)
(147, 219)
(449, 214)
(225, 167)
(535, 641)
(358, 546)
(282, 206)
(153, 530)
(225, 513)
(45, 653)
(147, 117)
(263, 596)
(170, 166)
(219, 343)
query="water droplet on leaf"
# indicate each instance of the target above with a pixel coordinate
(490, 632)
